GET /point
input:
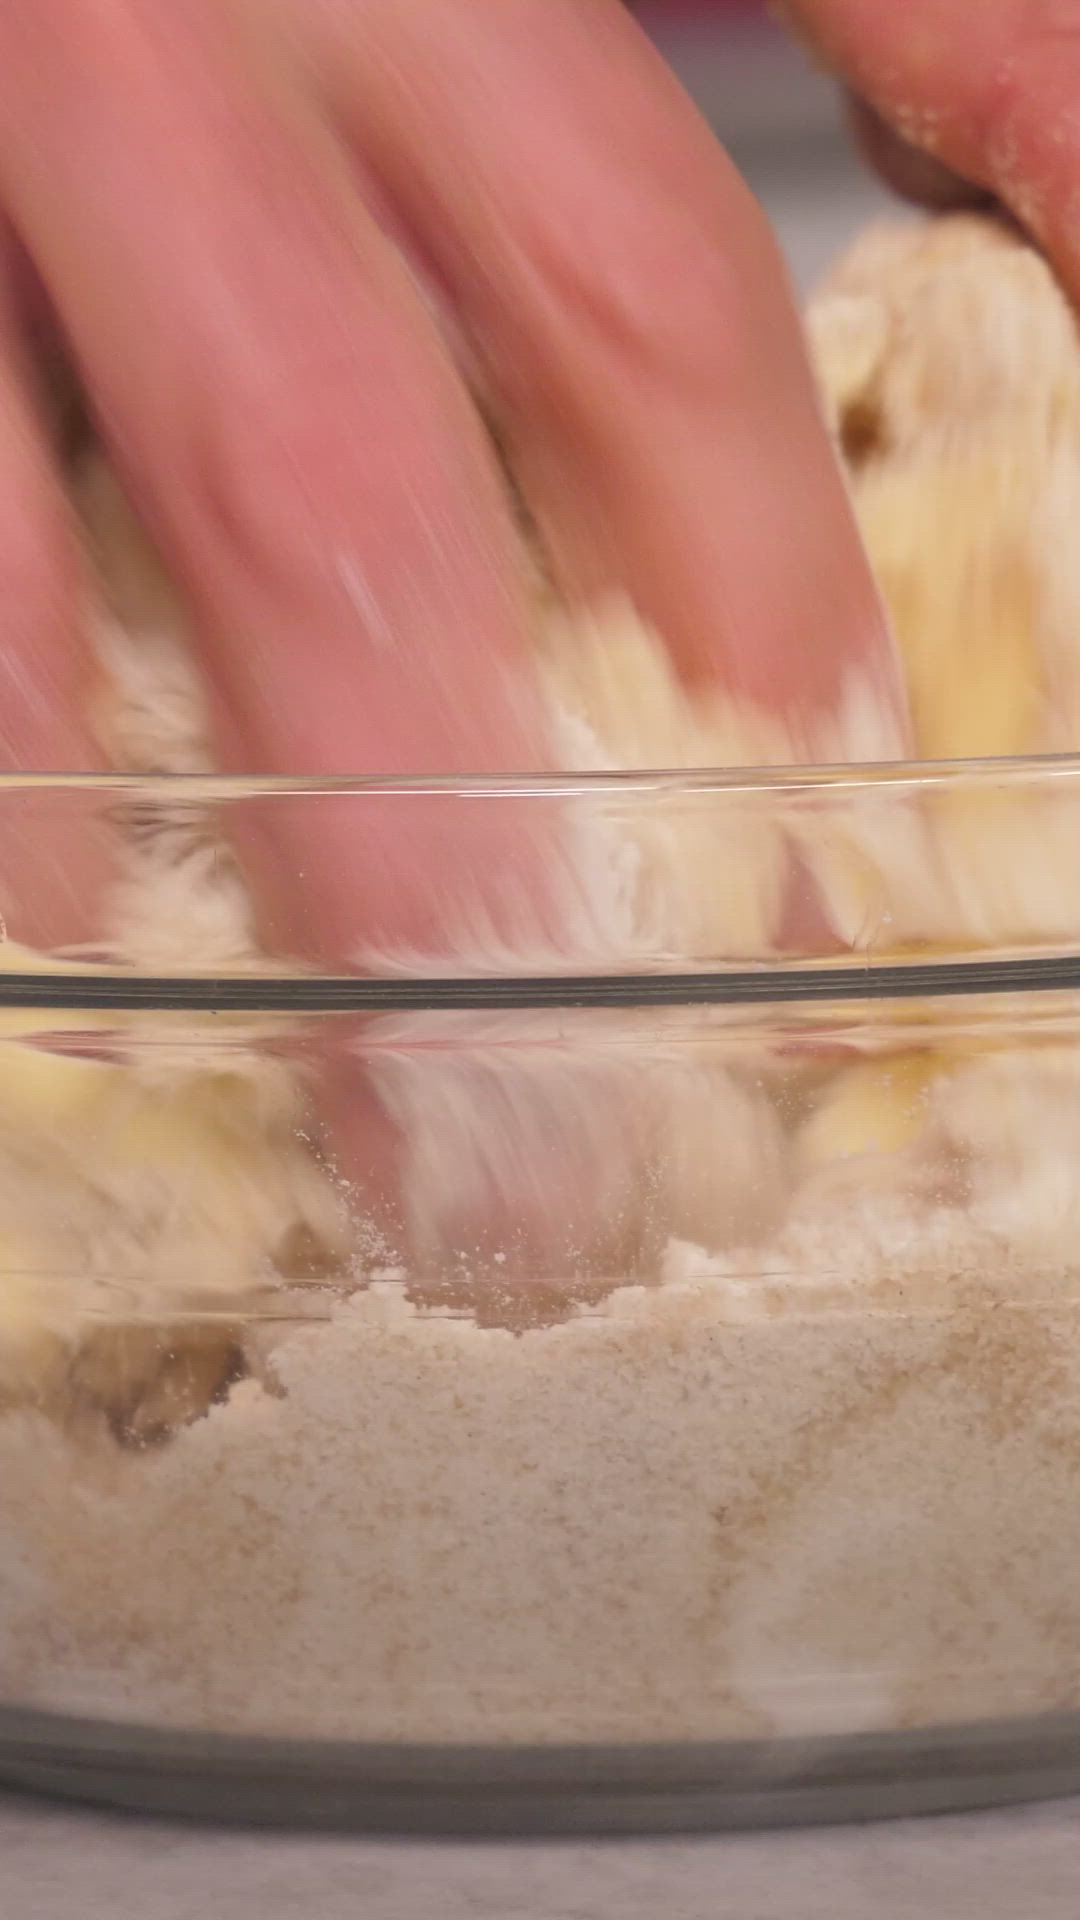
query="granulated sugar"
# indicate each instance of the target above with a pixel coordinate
(714, 1507)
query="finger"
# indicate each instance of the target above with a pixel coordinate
(989, 92)
(285, 414)
(913, 174)
(636, 329)
(280, 402)
(53, 857)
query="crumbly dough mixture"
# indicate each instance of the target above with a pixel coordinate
(798, 1450)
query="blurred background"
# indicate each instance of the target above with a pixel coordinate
(781, 121)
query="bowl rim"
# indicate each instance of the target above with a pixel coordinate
(835, 986)
(877, 775)
(849, 975)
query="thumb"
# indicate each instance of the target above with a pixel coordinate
(987, 93)
(911, 172)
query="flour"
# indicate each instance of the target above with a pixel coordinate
(714, 1507)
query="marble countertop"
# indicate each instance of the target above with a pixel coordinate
(57, 1864)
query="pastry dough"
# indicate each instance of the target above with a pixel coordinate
(950, 368)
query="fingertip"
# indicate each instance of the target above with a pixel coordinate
(911, 172)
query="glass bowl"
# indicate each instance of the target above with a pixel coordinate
(633, 1385)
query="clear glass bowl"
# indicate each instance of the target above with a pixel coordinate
(632, 1391)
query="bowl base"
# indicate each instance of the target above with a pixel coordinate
(550, 1791)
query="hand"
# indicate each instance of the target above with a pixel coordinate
(216, 196)
(962, 104)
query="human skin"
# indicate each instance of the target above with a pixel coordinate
(273, 233)
(279, 234)
(967, 101)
